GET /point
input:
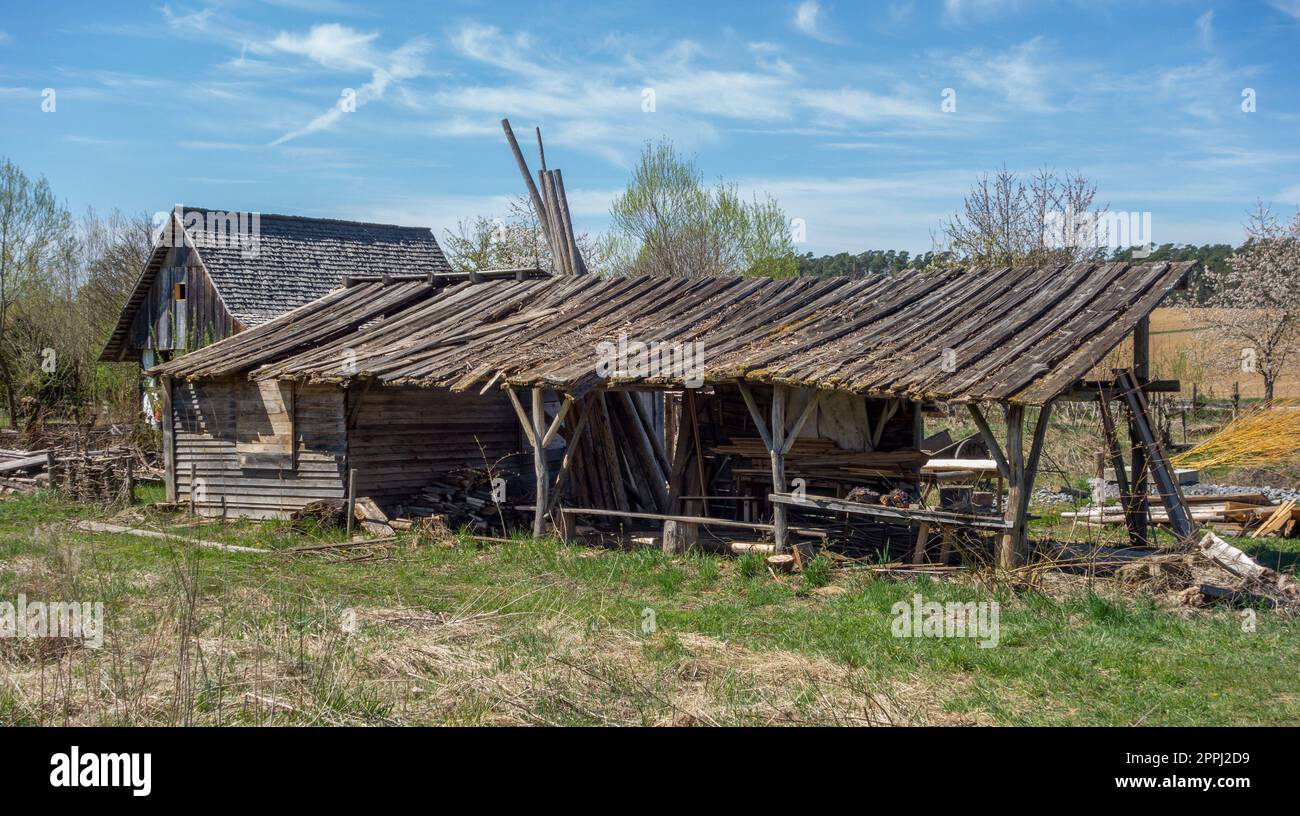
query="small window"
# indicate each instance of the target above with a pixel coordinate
(179, 294)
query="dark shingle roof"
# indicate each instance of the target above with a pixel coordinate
(295, 260)
(299, 259)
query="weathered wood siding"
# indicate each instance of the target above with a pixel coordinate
(404, 437)
(207, 417)
(166, 324)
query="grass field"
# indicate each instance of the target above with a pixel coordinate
(539, 632)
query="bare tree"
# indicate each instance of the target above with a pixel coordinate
(513, 242)
(1007, 221)
(1256, 298)
(34, 229)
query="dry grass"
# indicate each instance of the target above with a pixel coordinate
(1265, 436)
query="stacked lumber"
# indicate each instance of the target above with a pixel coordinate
(814, 457)
(1237, 512)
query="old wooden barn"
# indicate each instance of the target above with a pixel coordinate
(787, 401)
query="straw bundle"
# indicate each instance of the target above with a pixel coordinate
(1268, 435)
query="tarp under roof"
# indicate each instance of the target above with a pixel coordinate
(1024, 335)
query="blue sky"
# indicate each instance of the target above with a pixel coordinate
(832, 107)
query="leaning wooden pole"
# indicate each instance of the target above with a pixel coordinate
(1139, 532)
(533, 194)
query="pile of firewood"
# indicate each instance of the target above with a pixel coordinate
(461, 505)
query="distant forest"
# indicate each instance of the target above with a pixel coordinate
(1213, 258)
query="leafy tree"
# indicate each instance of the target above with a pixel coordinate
(34, 229)
(669, 223)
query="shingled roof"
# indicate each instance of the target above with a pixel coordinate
(1023, 335)
(296, 260)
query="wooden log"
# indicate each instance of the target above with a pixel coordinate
(117, 529)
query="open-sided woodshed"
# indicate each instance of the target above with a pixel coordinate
(810, 360)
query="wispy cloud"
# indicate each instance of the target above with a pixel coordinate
(1291, 7)
(1205, 29)
(5, 38)
(1021, 75)
(808, 19)
(341, 48)
(960, 11)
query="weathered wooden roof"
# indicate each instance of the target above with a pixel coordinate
(1023, 335)
(297, 260)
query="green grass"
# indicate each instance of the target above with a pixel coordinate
(544, 632)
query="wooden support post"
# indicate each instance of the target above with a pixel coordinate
(539, 464)
(193, 479)
(1012, 545)
(922, 536)
(945, 545)
(352, 499)
(777, 434)
(168, 438)
(1138, 532)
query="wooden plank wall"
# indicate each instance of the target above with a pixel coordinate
(405, 437)
(161, 323)
(206, 431)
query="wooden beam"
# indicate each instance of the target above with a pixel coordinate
(887, 412)
(755, 414)
(168, 422)
(780, 529)
(1036, 453)
(1139, 533)
(523, 417)
(555, 423)
(539, 464)
(574, 440)
(808, 409)
(990, 441)
(354, 410)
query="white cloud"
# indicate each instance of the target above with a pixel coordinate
(808, 19)
(1205, 29)
(5, 38)
(332, 45)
